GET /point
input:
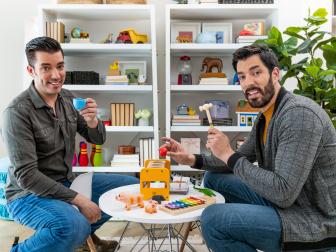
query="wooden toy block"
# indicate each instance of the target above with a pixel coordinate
(185, 205)
(155, 171)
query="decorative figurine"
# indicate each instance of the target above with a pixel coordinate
(141, 79)
(151, 207)
(182, 109)
(108, 39)
(130, 199)
(211, 63)
(184, 71)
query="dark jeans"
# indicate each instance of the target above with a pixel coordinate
(246, 221)
(59, 226)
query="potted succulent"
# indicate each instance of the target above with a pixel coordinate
(143, 116)
(315, 72)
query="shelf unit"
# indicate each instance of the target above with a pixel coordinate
(98, 21)
(196, 95)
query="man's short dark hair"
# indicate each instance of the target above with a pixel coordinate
(41, 44)
(266, 55)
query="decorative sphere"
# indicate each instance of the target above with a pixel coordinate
(76, 32)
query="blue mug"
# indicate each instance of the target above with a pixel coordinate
(79, 103)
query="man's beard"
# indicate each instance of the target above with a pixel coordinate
(267, 95)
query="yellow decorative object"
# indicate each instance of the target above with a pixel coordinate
(115, 65)
(114, 69)
(135, 37)
(155, 172)
(191, 111)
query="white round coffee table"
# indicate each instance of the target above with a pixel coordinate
(115, 208)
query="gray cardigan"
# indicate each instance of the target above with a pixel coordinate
(296, 169)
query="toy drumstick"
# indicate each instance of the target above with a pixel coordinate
(205, 107)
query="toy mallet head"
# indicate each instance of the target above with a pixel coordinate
(205, 107)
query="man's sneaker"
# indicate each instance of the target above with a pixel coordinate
(16, 241)
(101, 245)
(104, 245)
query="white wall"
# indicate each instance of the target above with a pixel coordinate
(17, 27)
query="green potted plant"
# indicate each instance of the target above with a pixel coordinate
(316, 72)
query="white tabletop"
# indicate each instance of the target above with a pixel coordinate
(115, 208)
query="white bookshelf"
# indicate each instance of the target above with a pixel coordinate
(226, 129)
(174, 168)
(111, 88)
(196, 95)
(134, 50)
(100, 20)
(205, 88)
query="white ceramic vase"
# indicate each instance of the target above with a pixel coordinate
(143, 122)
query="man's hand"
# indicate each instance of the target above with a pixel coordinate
(219, 144)
(88, 208)
(177, 153)
(90, 113)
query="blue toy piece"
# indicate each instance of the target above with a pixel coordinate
(235, 80)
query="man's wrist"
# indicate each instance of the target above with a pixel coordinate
(225, 156)
(191, 160)
(93, 124)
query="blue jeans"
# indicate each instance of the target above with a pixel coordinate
(59, 226)
(245, 223)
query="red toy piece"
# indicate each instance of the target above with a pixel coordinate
(163, 151)
(83, 159)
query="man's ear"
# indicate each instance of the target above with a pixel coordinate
(276, 74)
(30, 70)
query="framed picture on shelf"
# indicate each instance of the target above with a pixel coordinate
(191, 29)
(223, 31)
(127, 67)
(132, 75)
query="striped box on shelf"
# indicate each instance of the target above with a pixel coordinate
(122, 114)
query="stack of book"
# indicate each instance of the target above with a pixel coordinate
(218, 121)
(146, 149)
(186, 120)
(214, 81)
(249, 38)
(122, 114)
(55, 30)
(127, 161)
(116, 80)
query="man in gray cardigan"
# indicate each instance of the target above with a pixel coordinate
(287, 201)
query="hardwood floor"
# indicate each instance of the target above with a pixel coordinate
(10, 229)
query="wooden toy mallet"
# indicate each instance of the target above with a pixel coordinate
(205, 107)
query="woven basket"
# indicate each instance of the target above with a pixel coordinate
(125, 1)
(79, 1)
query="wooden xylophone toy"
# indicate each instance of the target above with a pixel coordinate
(188, 204)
